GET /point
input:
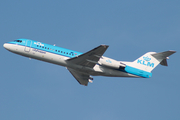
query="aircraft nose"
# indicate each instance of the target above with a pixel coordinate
(6, 46)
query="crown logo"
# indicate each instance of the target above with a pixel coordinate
(147, 58)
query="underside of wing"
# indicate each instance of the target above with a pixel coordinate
(82, 78)
(89, 59)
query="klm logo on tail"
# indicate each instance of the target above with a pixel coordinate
(146, 62)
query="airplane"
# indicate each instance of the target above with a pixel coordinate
(92, 63)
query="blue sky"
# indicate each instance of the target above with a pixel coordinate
(31, 89)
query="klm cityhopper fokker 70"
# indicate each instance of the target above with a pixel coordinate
(92, 63)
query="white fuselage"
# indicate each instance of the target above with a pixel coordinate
(105, 67)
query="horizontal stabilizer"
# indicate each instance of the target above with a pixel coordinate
(163, 55)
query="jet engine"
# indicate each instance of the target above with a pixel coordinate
(110, 63)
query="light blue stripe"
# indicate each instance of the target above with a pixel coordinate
(138, 72)
(48, 46)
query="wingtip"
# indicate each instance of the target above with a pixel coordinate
(105, 46)
(84, 84)
(173, 51)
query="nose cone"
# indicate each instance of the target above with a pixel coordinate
(6, 45)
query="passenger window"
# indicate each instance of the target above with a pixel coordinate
(58, 50)
(45, 47)
(37, 45)
(42, 46)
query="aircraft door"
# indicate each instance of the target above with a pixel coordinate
(28, 46)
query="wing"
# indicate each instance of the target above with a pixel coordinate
(89, 59)
(82, 78)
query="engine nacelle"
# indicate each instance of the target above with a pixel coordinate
(110, 63)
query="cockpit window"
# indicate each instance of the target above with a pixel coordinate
(20, 41)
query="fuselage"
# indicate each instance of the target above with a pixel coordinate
(58, 55)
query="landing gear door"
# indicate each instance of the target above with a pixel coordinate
(28, 46)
